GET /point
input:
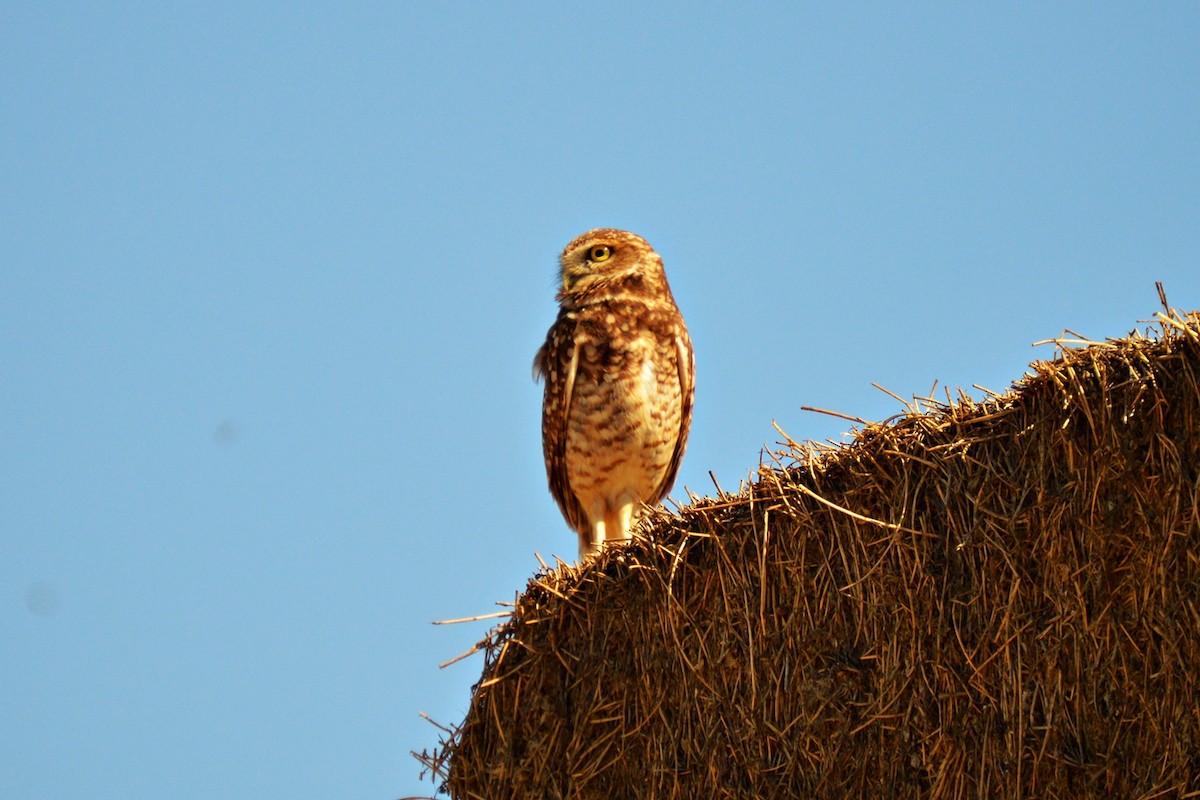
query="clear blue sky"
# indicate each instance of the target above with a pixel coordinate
(272, 278)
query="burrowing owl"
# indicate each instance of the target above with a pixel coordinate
(619, 376)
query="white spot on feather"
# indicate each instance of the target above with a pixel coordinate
(649, 382)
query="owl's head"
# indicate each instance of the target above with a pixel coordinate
(603, 255)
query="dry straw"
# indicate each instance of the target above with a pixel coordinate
(991, 599)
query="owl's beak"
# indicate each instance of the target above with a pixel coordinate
(571, 279)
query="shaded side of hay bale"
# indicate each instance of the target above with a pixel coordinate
(978, 599)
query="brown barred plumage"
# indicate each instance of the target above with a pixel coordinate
(619, 374)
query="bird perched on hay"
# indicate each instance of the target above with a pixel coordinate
(619, 375)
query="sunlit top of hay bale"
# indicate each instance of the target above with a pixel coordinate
(992, 598)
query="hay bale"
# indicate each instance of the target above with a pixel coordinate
(974, 599)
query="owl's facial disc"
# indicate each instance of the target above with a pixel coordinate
(584, 265)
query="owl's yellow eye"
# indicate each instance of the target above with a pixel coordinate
(600, 252)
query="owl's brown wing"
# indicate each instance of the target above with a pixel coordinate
(557, 362)
(685, 365)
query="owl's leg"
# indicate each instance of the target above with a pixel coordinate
(587, 545)
(626, 512)
(620, 519)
